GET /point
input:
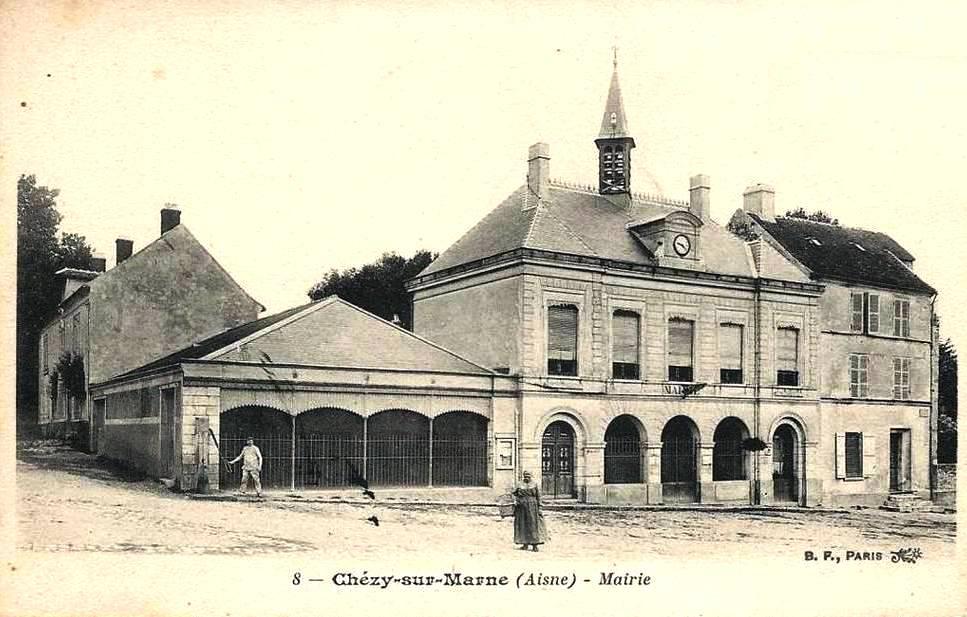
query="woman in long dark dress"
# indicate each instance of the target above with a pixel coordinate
(529, 529)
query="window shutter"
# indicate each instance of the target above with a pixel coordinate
(874, 313)
(680, 337)
(787, 349)
(869, 455)
(840, 455)
(730, 346)
(562, 332)
(856, 312)
(625, 336)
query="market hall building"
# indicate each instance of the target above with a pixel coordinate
(624, 348)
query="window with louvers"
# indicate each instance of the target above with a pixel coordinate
(859, 375)
(787, 357)
(856, 312)
(730, 353)
(901, 378)
(901, 318)
(680, 346)
(625, 334)
(562, 340)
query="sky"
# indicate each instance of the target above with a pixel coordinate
(298, 137)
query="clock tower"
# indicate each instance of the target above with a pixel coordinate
(614, 143)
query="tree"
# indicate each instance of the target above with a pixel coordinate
(377, 287)
(39, 256)
(819, 216)
(947, 402)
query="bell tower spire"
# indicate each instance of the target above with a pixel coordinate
(614, 142)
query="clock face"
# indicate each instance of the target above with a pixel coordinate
(682, 245)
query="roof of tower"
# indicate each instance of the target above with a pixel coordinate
(619, 127)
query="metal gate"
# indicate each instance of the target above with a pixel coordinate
(276, 461)
(557, 461)
(678, 470)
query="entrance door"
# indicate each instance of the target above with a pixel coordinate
(785, 483)
(557, 461)
(167, 432)
(899, 460)
(679, 471)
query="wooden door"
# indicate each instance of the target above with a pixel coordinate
(899, 460)
(785, 483)
(557, 461)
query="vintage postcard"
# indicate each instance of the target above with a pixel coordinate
(477, 309)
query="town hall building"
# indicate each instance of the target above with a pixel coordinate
(624, 348)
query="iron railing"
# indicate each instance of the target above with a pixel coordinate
(728, 460)
(622, 461)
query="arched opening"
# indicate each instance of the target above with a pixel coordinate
(557, 461)
(729, 459)
(460, 449)
(398, 448)
(679, 468)
(785, 470)
(622, 452)
(329, 448)
(272, 431)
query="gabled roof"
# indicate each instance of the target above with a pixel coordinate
(845, 253)
(579, 221)
(331, 332)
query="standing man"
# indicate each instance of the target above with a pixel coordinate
(251, 458)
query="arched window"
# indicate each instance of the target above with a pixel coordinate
(728, 457)
(562, 340)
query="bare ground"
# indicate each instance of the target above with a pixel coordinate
(70, 501)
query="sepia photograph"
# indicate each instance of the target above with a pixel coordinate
(482, 308)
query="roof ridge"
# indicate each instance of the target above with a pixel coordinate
(533, 223)
(651, 198)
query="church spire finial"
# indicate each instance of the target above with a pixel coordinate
(614, 142)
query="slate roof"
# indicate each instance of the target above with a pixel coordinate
(579, 221)
(616, 105)
(837, 256)
(334, 334)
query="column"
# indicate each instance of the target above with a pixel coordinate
(593, 480)
(706, 489)
(813, 481)
(652, 453)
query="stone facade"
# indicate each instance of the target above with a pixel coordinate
(155, 302)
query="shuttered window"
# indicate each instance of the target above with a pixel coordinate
(873, 304)
(856, 312)
(730, 353)
(859, 375)
(625, 337)
(562, 340)
(787, 357)
(901, 318)
(681, 335)
(901, 378)
(854, 455)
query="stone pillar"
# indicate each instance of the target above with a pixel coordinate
(652, 453)
(813, 483)
(594, 489)
(706, 490)
(200, 402)
(765, 475)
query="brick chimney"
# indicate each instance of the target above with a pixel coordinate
(98, 262)
(123, 249)
(760, 199)
(170, 217)
(698, 196)
(538, 174)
